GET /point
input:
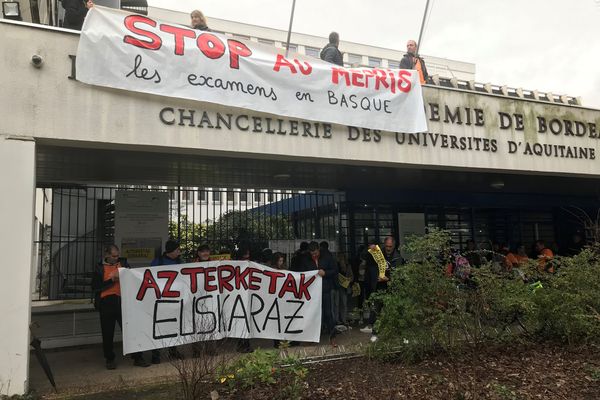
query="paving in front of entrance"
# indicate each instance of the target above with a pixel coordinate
(82, 370)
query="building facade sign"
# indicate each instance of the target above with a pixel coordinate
(467, 130)
(138, 53)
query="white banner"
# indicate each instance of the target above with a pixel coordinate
(178, 304)
(138, 53)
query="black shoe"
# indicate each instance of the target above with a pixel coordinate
(156, 359)
(111, 364)
(140, 362)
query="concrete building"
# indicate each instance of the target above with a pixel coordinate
(497, 163)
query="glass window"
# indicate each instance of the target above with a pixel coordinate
(271, 197)
(243, 197)
(312, 51)
(267, 41)
(354, 59)
(394, 64)
(374, 62)
(216, 196)
(293, 47)
(230, 196)
(202, 195)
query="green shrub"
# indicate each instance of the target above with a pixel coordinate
(261, 368)
(425, 311)
(569, 303)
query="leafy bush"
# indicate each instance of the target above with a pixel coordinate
(261, 368)
(569, 303)
(426, 310)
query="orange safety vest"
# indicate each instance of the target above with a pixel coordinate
(115, 288)
(545, 256)
(419, 68)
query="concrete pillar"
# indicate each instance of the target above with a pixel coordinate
(17, 177)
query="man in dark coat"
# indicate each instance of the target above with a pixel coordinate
(327, 268)
(412, 60)
(75, 12)
(331, 53)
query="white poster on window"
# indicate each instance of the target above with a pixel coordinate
(141, 225)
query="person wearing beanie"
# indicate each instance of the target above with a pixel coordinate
(171, 256)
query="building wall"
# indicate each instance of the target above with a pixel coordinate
(17, 155)
(60, 110)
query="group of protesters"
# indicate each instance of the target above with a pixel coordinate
(347, 284)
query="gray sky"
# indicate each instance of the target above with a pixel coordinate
(550, 45)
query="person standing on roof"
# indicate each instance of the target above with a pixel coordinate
(331, 53)
(75, 12)
(198, 21)
(412, 60)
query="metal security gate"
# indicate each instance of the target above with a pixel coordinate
(74, 223)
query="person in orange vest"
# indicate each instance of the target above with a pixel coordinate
(545, 256)
(107, 291)
(516, 259)
(412, 60)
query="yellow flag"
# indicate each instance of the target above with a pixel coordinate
(380, 260)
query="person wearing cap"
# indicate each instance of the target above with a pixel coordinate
(171, 256)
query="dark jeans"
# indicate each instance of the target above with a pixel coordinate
(327, 311)
(110, 315)
(371, 286)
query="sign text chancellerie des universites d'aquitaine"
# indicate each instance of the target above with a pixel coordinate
(436, 113)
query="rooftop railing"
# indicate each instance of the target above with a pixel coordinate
(503, 90)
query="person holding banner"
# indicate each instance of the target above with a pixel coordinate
(412, 60)
(328, 271)
(331, 53)
(375, 278)
(202, 253)
(199, 21)
(107, 291)
(171, 256)
(75, 12)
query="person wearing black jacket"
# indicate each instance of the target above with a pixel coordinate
(412, 60)
(107, 299)
(327, 268)
(392, 256)
(75, 12)
(331, 53)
